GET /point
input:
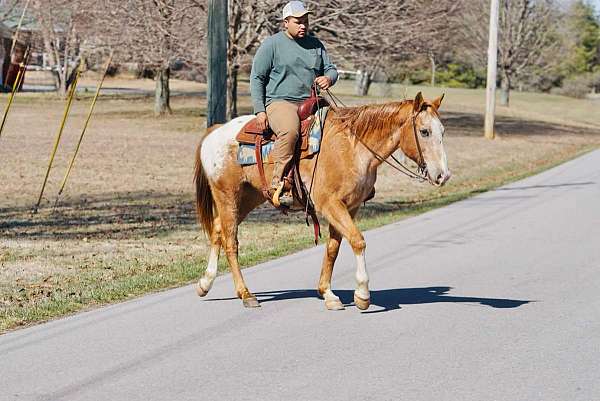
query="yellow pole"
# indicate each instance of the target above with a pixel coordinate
(16, 35)
(16, 84)
(64, 181)
(58, 135)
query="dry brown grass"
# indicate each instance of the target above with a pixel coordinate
(128, 212)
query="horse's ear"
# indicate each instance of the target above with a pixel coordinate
(437, 102)
(418, 103)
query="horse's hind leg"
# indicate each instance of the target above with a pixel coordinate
(332, 302)
(230, 216)
(206, 282)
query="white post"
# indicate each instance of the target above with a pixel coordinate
(490, 92)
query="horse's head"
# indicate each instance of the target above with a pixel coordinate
(423, 141)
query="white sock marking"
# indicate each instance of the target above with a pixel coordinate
(328, 295)
(362, 277)
(208, 278)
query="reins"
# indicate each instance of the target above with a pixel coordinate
(420, 175)
(399, 167)
(312, 178)
(422, 167)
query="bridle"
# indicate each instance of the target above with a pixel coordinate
(421, 173)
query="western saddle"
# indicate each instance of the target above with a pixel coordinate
(251, 134)
(306, 113)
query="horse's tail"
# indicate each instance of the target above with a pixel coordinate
(204, 198)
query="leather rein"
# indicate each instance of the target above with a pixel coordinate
(421, 173)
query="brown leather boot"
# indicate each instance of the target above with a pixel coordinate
(281, 194)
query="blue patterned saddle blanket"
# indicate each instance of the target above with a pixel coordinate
(246, 152)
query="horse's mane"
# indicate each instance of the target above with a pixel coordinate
(360, 120)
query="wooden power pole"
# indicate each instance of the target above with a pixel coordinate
(216, 88)
(490, 103)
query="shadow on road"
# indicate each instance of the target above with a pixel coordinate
(390, 299)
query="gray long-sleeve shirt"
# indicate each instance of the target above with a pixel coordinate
(285, 68)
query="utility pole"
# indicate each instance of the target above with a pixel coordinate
(490, 92)
(216, 88)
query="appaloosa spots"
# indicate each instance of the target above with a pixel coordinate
(214, 151)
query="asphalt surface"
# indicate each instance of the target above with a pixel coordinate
(492, 298)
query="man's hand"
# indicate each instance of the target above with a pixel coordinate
(323, 82)
(262, 121)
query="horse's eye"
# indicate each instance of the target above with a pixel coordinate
(424, 132)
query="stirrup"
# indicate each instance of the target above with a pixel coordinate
(277, 194)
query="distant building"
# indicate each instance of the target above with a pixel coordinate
(10, 66)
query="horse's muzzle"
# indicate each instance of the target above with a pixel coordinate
(442, 178)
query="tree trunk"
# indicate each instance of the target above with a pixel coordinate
(363, 82)
(232, 111)
(69, 79)
(52, 62)
(64, 72)
(162, 94)
(504, 90)
(432, 70)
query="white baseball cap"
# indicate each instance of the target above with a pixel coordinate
(294, 9)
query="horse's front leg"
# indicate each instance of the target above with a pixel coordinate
(338, 215)
(332, 302)
(362, 297)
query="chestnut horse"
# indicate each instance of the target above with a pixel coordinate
(355, 142)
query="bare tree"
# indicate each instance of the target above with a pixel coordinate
(249, 22)
(526, 32)
(59, 24)
(156, 34)
(364, 34)
(373, 35)
(10, 8)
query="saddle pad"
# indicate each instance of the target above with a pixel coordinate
(246, 154)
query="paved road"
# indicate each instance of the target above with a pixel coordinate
(493, 298)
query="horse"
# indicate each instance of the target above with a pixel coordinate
(355, 142)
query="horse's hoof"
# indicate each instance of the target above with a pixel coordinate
(251, 302)
(200, 291)
(362, 304)
(334, 304)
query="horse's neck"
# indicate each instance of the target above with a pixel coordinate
(386, 140)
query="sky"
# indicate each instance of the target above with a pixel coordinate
(595, 3)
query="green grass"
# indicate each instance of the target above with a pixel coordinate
(89, 289)
(526, 105)
(108, 281)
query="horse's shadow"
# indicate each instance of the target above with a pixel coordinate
(393, 298)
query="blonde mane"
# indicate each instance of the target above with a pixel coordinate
(361, 120)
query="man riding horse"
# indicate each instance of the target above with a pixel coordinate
(283, 71)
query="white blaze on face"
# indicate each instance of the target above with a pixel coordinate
(213, 152)
(437, 133)
(433, 146)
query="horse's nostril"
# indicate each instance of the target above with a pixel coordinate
(443, 178)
